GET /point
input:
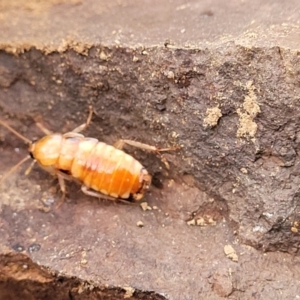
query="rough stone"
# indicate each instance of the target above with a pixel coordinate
(220, 79)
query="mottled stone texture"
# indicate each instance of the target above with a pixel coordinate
(230, 98)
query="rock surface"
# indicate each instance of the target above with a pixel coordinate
(222, 80)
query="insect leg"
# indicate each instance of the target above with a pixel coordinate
(86, 124)
(72, 134)
(62, 176)
(61, 181)
(30, 167)
(120, 144)
(43, 128)
(88, 192)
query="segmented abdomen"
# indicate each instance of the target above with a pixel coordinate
(100, 166)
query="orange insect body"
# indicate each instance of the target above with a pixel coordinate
(107, 170)
(97, 165)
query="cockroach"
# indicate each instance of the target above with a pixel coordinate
(104, 171)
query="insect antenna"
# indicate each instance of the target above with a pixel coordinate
(15, 167)
(19, 135)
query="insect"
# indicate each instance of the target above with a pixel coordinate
(104, 171)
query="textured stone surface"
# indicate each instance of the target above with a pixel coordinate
(20, 278)
(219, 79)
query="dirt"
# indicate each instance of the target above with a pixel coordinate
(212, 116)
(222, 220)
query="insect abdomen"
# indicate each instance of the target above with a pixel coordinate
(99, 166)
(106, 169)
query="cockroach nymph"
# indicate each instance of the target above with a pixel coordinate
(103, 171)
